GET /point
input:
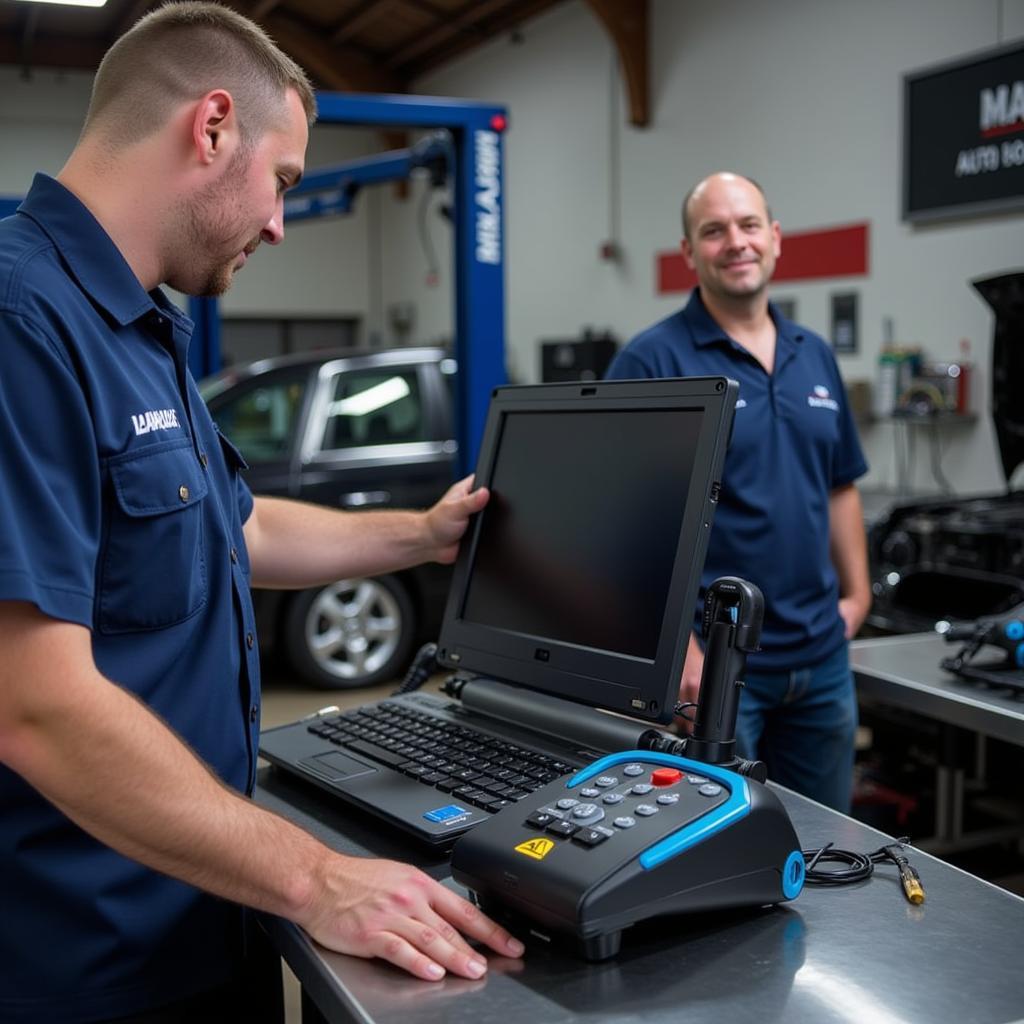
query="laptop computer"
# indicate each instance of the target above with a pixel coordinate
(568, 615)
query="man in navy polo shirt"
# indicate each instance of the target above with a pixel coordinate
(789, 517)
(129, 682)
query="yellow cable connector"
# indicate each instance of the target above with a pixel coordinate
(912, 887)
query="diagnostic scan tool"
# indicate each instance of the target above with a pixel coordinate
(646, 833)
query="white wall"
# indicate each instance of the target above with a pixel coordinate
(802, 94)
(323, 270)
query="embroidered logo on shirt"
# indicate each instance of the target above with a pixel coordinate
(156, 419)
(821, 400)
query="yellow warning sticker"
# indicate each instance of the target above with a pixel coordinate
(538, 849)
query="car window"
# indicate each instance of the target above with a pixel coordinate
(261, 420)
(378, 406)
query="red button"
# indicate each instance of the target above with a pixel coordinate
(665, 776)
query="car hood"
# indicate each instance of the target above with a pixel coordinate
(1005, 295)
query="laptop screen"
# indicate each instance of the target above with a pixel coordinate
(579, 577)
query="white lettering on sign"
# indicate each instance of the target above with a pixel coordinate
(488, 197)
(1002, 106)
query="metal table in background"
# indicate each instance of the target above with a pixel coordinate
(860, 954)
(903, 672)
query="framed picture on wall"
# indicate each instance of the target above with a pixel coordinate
(844, 322)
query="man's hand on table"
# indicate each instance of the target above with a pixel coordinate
(381, 908)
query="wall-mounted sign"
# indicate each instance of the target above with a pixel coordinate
(963, 136)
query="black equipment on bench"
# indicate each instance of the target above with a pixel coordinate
(643, 834)
(1006, 632)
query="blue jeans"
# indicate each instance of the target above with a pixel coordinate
(802, 725)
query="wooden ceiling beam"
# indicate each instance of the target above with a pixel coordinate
(262, 8)
(52, 51)
(329, 65)
(426, 7)
(369, 12)
(132, 13)
(508, 20)
(458, 22)
(626, 22)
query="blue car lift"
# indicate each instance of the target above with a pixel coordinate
(474, 151)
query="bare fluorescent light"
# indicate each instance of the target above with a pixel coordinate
(68, 3)
(373, 398)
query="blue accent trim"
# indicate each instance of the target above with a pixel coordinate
(391, 110)
(478, 192)
(1015, 630)
(334, 189)
(204, 348)
(717, 819)
(1020, 655)
(794, 873)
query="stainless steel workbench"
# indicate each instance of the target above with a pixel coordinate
(904, 672)
(859, 954)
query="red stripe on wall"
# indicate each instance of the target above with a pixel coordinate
(828, 252)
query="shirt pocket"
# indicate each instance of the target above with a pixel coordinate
(153, 565)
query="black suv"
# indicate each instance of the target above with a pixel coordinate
(351, 430)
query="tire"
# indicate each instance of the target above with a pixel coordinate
(351, 633)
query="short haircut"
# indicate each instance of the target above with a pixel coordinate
(689, 196)
(180, 52)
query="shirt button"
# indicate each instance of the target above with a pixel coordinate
(254, 713)
(234, 555)
(183, 492)
(202, 459)
(249, 640)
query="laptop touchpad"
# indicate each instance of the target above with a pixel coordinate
(335, 766)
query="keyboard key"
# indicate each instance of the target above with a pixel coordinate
(377, 753)
(540, 819)
(563, 828)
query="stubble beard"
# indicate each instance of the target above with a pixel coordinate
(206, 219)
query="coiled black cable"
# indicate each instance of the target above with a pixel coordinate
(860, 866)
(423, 666)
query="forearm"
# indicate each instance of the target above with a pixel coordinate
(100, 756)
(111, 766)
(294, 544)
(848, 547)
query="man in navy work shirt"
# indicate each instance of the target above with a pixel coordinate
(789, 517)
(129, 683)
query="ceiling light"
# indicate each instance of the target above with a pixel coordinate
(371, 399)
(68, 3)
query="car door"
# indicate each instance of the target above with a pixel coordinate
(262, 417)
(378, 435)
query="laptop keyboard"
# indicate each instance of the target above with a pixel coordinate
(480, 769)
